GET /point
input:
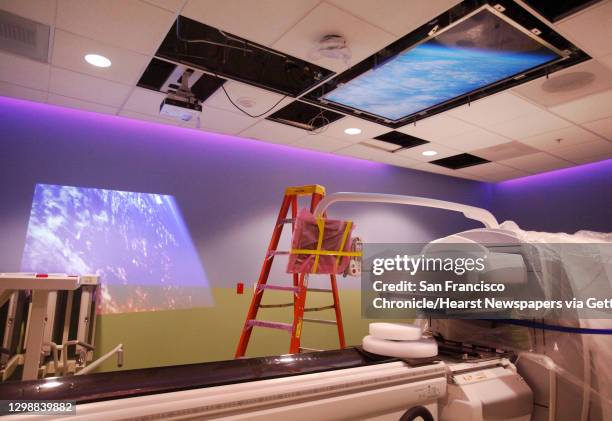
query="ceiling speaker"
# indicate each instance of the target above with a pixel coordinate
(568, 82)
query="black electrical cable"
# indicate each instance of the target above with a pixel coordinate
(205, 41)
(247, 113)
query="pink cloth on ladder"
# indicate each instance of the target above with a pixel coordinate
(306, 236)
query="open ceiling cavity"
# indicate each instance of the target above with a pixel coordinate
(555, 10)
(163, 76)
(457, 162)
(402, 140)
(304, 116)
(200, 46)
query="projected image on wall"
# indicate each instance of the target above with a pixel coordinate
(137, 242)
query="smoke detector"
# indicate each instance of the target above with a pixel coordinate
(333, 47)
(246, 102)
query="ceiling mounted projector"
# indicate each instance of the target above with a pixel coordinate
(181, 104)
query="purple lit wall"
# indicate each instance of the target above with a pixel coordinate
(565, 200)
(227, 188)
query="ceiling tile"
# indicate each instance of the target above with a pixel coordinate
(145, 117)
(171, 5)
(386, 146)
(368, 129)
(377, 155)
(470, 141)
(504, 151)
(494, 109)
(416, 153)
(505, 175)
(530, 125)
(393, 15)
(88, 88)
(274, 17)
(586, 152)
(590, 108)
(492, 171)
(321, 142)
(362, 151)
(79, 104)
(398, 160)
(221, 121)
(560, 138)
(262, 100)
(24, 72)
(144, 101)
(438, 127)
(69, 51)
(591, 30)
(446, 171)
(131, 24)
(16, 91)
(362, 38)
(567, 84)
(602, 127)
(536, 162)
(272, 132)
(607, 61)
(42, 11)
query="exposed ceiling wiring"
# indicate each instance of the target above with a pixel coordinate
(205, 41)
(246, 112)
(228, 37)
(320, 117)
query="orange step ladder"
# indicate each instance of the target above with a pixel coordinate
(300, 282)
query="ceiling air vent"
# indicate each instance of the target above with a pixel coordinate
(24, 37)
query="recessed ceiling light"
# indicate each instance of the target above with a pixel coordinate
(97, 60)
(352, 131)
(429, 153)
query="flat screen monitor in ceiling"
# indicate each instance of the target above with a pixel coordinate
(481, 49)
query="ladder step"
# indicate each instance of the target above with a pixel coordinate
(320, 308)
(277, 287)
(303, 348)
(319, 290)
(286, 221)
(273, 325)
(325, 322)
(276, 305)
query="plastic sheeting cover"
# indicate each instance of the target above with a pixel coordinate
(306, 237)
(581, 360)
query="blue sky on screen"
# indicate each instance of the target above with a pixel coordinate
(429, 74)
(130, 239)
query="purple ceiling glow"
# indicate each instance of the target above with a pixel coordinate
(180, 134)
(561, 176)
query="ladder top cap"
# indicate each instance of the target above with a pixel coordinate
(303, 190)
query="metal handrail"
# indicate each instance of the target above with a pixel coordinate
(478, 214)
